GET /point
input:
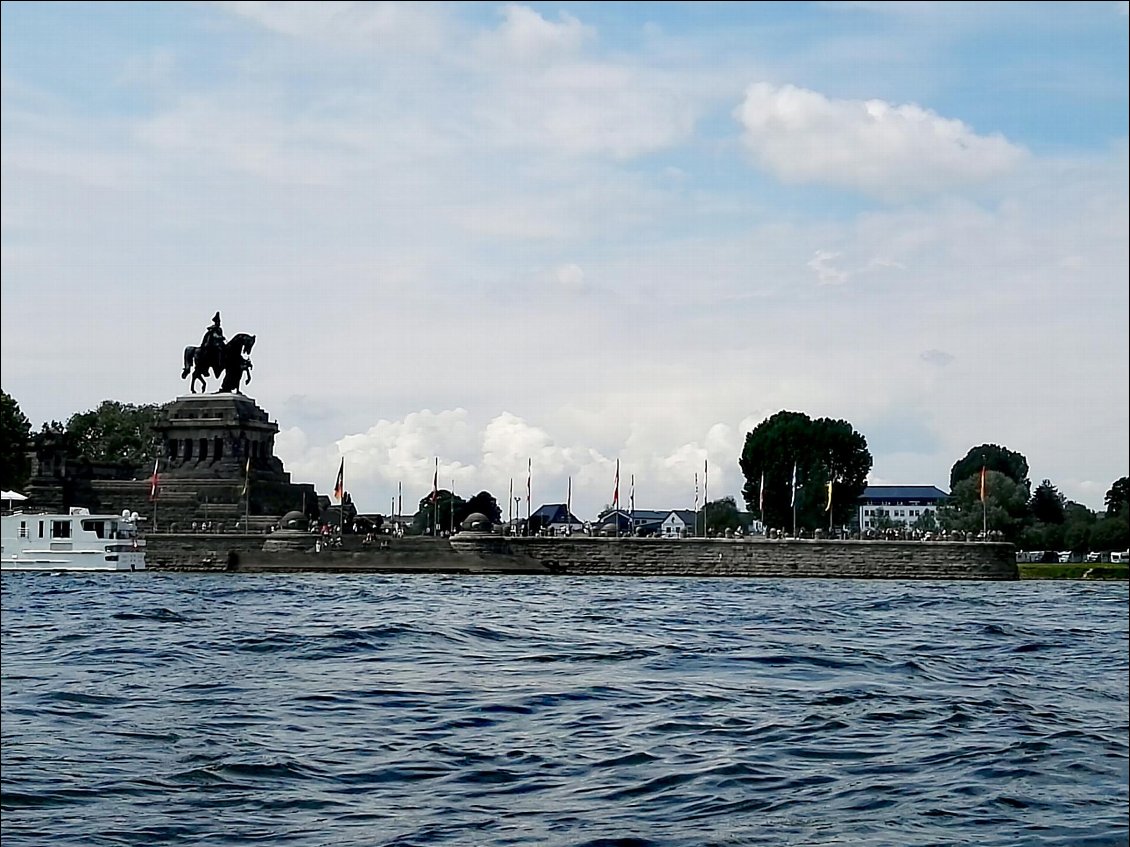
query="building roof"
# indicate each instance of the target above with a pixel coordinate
(552, 513)
(929, 493)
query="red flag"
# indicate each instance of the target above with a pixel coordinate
(339, 486)
(984, 484)
(616, 489)
(154, 481)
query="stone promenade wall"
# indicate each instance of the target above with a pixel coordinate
(585, 556)
(763, 558)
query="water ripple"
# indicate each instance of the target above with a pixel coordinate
(414, 710)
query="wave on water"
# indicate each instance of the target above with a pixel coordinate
(419, 710)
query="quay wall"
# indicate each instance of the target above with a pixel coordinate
(771, 558)
(470, 552)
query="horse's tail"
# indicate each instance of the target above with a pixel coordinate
(189, 358)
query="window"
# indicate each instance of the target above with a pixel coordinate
(23, 529)
(60, 529)
(97, 527)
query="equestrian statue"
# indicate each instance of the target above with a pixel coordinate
(215, 355)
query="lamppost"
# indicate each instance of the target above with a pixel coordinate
(517, 513)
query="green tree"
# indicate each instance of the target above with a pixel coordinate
(926, 522)
(993, 458)
(114, 432)
(721, 515)
(821, 450)
(436, 515)
(1118, 497)
(15, 430)
(1005, 506)
(1111, 532)
(483, 503)
(1047, 503)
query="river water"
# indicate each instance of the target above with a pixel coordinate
(245, 709)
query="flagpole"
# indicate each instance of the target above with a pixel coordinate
(984, 505)
(247, 499)
(705, 492)
(153, 489)
(794, 499)
(569, 507)
(435, 500)
(453, 507)
(510, 506)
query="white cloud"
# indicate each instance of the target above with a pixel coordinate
(389, 27)
(870, 146)
(525, 36)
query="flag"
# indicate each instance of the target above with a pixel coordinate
(339, 486)
(247, 477)
(792, 502)
(154, 481)
(696, 491)
(761, 496)
(632, 496)
(569, 502)
(616, 488)
(828, 508)
(435, 500)
(984, 484)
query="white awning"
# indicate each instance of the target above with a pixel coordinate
(11, 495)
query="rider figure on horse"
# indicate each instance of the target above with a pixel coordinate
(214, 337)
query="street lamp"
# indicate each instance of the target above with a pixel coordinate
(517, 512)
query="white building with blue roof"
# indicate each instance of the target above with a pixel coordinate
(897, 504)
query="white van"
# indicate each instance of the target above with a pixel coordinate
(1117, 558)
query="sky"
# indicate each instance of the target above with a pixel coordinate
(558, 236)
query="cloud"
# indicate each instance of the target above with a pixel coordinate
(386, 26)
(938, 358)
(525, 36)
(870, 146)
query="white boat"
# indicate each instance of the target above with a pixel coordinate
(75, 541)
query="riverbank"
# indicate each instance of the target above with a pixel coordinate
(1075, 571)
(485, 553)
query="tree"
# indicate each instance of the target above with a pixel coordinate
(721, 515)
(436, 516)
(484, 503)
(114, 432)
(15, 431)
(820, 450)
(1047, 503)
(993, 458)
(1111, 532)
(926, 522)
(1118, 497)
(1005, 508)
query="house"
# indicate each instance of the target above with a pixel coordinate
(679, 523)
(556, 519)
(884, 505)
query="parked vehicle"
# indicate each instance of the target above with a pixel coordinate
(1122, 558)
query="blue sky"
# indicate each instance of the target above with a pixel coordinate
(580, 232)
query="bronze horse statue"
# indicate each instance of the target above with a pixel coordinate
(232, 359)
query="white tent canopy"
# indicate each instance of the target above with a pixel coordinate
(11, 495)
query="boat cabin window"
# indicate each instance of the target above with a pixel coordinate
(41, 529)
(23, 529)
(125, 531)
(97, 527)
(60, 529)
